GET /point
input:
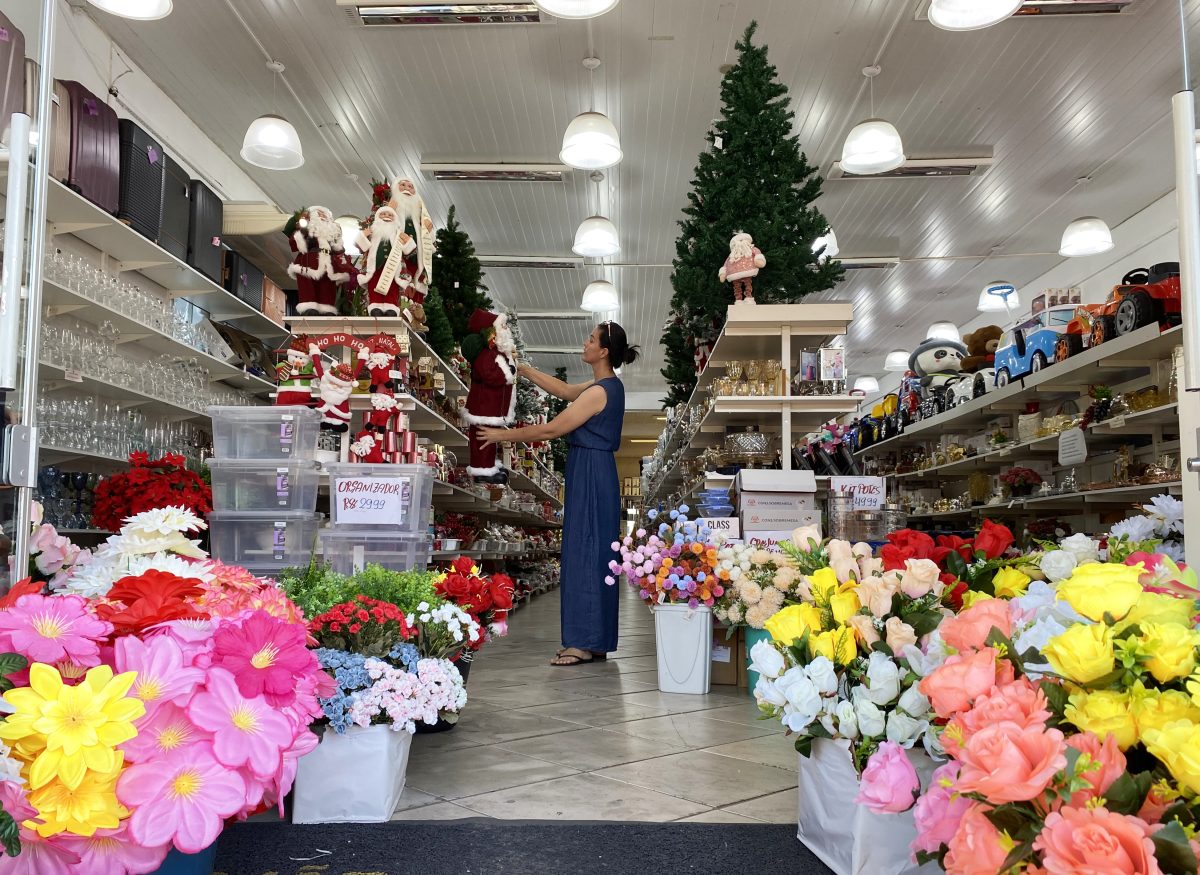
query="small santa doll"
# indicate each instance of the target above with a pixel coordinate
(491, 400)
(337, 384)
(295, 374)
(382, 366)
(743, 264)
(320, 264)
(381, 418)
(367, 448)
(386, 276)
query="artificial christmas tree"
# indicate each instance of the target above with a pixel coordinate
(753, 179)
(457, 277)
(440, 337)
(529, 400)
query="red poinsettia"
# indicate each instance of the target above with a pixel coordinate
(137, 602)
(149, 484)
(993, 539)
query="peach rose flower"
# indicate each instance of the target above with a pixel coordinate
(1007, 762)
(920, 577)
(864, 628)
(961, 679)
(976, 848)
(876, 593)
(1096, 841)
(970, 629)
(1108, 764)
(898, 635)
(1019, 702)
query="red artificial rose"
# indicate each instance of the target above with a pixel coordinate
(954, 592)
(456, 588)
(463, 565)
(993, 539)
(903, 545)
(953, 543)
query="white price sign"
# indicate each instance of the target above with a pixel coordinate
(727, 528)
(371, 501)
(1072, 447)
(869, 492)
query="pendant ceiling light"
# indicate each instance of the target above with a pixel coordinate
(874, 146)
(829, 241)
(271, 141)
(897, 360)
(575, 8)
(590, 143)
(596, 238)
(998, 297)
(142, 10)
(864, 386)
(944, 331)
(1085, 236)
(600, 296)
(350, 231)
(970, 14)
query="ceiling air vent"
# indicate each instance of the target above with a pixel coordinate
(496, 172)
(885, 262)
(378, 13)
(532, 262)
(923, 168)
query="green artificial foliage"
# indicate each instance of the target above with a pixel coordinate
(753, 178)
(529, 399)
(404, 589)
(440, 337)
(555, 406)
(317, 588)
(457, 277)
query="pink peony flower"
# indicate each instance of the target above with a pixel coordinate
(165, 729)
(976, 848)
(183, 797)
(962, 678)
(1019, 702)
(939, 811)
(161, 673)
(265, 655)
(53, 629)
(113, 850)
(1096, 841)
(246, 731)
(970, 629)
(1109, 764)
(889, 782)
(1007, 762)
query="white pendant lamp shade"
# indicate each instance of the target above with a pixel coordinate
(575, 8)
(600, 296)
(596, 238)
(591, 142)
(1085, 236)
(350, 232)
(897, 360)
(970, 14)
(874, 146)
(142, 10)
(865, 385)
(272, 143)
(829, 241)
(998, 297)
(944, 331)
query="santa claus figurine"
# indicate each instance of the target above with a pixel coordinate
(491, 400)
(337, 384)
(367, 448)
(382, 367)
(381, 417)
(415, 223)
(386, 275)
(295, 374)
(320, 263)
(742, 266)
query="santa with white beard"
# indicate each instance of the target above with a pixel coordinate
(491, 400)
(387, 248)
(320, 263)
(415, 222)
(337, 385)
(742, 266)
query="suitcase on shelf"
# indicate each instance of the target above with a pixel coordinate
(60, 120)
(243, 279)
(12, 73)
(204, 231)
(274, 301)
(177, 209)
(141, 197)
(95, 148)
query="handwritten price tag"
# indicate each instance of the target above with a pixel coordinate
(371, 501)
(868, 492)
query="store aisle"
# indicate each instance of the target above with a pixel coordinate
(597, 741)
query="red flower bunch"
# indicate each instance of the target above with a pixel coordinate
(1018, 476)
(487, 599)
(148, 485)
(993, 540)
(137, 602)
(906, 544)
(363, 625)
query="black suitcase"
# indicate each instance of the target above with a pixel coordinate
(204, 231)
(12, 74)
(177, 209)
(243, 279)
(141, 180)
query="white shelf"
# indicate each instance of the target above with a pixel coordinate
(53, 376)
(1117, 496)
(448, 497)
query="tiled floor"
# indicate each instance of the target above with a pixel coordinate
(597, 741)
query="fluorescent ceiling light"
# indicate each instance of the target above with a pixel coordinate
(576, 8)
(272, 143)
(140, 10)
(970, 14)
(1085, 236)
(874, 146)
(591, 142)
(830, 243)
(596, 238)
(897, 360)
(600, 296)
(998, 297)
(944, 331)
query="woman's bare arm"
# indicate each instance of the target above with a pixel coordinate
(553, 385)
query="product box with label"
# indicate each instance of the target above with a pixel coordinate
(770, 541)
(724, 668)
(772, 500)
(758, 522)
(722, 528)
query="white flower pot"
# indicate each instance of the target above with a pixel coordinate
(850, 839)
(356, 777)
(683, 638)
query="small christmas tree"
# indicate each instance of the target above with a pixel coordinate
(529, 399)
(440, 337)
(754, 178)
(555, 406)
(457, 277)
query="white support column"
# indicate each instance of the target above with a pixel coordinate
(785, 449)
(1187, 195)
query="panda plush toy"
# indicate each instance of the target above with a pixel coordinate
(938, 363)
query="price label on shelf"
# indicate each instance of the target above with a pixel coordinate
(371, 501)
(1072, 447)
(73, 376)
(1116, 422)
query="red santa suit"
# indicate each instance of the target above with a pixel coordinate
(337, 385)
(320, 263)
(367, 448)
(386, 276)
(491, 400)
(382, 367)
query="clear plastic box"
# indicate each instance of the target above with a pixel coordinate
(394, 499)
(264, 539)
(265, 432)
(261, 484)
(350, 550)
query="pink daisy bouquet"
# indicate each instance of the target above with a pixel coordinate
(175, 694)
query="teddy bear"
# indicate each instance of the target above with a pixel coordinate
(981, 348)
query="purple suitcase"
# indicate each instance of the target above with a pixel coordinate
(95, 149)
(12, 73)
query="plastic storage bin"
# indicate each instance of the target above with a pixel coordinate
(256, 484)
(396, 499)
(280, 432)
(351, 550)
(263, 540)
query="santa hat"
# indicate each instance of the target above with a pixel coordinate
(480, 320)
(342, 372)
(299, 343)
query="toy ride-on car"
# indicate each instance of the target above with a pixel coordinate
(1030, 346)
(1078, 335)
(1144, 296)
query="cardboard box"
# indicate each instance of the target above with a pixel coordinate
(274, 301)
(777, 501)
(768, 541)
(755, 522)
(724, 669)
(769, 480)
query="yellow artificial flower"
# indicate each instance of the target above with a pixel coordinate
(1154, 709)
(1100, 588)
(824, 585)
(1170, 650)
(1102, 712)
(1177, 745)
(1158, 607)
(1082, 653)
(1193, 687)
(91, 806)
(79, 726)
(789, 624)
(1009, 583)
(844, 606)
(838, 645)
(971, 596)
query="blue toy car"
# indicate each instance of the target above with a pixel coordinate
(1029, 347)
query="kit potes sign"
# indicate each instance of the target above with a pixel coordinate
(869, 492)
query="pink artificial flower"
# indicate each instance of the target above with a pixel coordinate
(265, 655)
(246, 731)
(963, 678)
(52, 550)
(1109, 764)
(165, 729)
(970, 629)
(939, 811)
(306, 742)
(1007, 762)
(233, 576)
(113, 850)
(39, 856)
(183, 798)
(889, 782)
(15, 801)
(976, 848)
(162, 676)
(1019, 702)
(1096, 841)
(53, 629)
(194, 637)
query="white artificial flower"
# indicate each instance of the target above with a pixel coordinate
(905, 730)
(883, 678)
(847, 720)
(1136, 528)
(139, 543)
(10, 768)
(766, 693)
(766, 660)
(164, 521)
(1173, 550)
(828, 717)
(1082, 547)
(913, 702)
(803, 701)
(933, 743)
(871, 721)
(1167, 510)
(1058, 564)
(823, 675)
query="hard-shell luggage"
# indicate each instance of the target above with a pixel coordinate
(12, 74)
(60, 120)
(141, 201)
(204, 231)
(177, 209)
(95, 148)
(243, 279)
